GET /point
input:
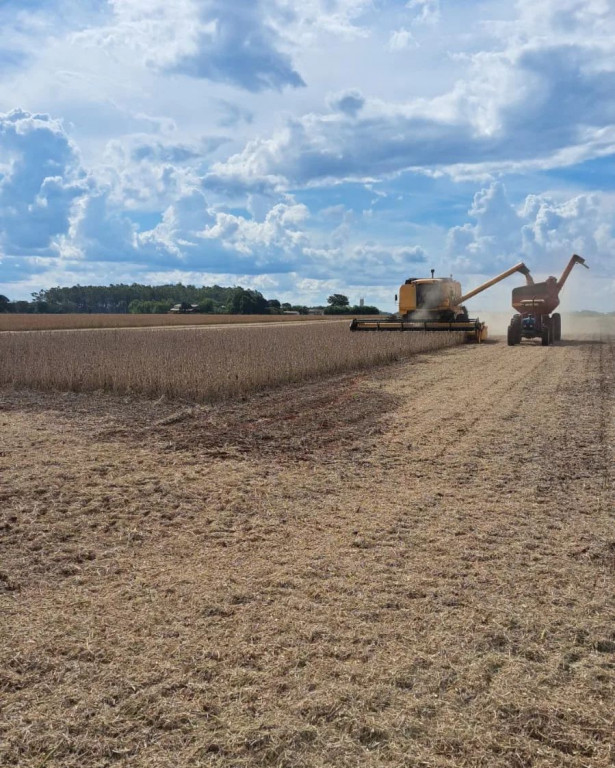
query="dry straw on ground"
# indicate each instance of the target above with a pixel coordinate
(200, 365)
(408, 568)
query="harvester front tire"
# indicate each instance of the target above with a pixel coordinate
(557, 326)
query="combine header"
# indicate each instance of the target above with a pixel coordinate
(535, 305)
(436, 304)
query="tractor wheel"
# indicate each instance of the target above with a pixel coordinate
(512, 336)
(515, 324)
(545, 335)
(557, 326)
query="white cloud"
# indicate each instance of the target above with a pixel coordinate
(426, 11)
(400, 39)
(532, 100)
(210, 39)
(40, 179)
(544, 231)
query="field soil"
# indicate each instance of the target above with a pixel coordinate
(413, 566)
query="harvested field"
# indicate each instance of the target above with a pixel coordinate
(199, 364)
(412, 566)
(17, 322)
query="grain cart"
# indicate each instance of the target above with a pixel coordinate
(436, 304)
(535, 305)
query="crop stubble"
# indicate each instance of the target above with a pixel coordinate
(231, 585)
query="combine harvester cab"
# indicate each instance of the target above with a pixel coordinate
(436, 304)
(535, 306)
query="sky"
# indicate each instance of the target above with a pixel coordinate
(307, 147)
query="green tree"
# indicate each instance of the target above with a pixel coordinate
(247, 302)
(137, 307)
(23, 307)
(338, 300)
(5, 304)
(207, 306)
(366, 309)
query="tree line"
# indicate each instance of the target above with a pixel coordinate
(158, 299)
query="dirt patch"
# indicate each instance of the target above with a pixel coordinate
(292, 422)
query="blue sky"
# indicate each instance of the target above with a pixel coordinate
(305, 148)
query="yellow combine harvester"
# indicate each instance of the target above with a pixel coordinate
(436, 304)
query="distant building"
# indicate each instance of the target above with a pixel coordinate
(290, 312)
(361, 302)
(182, 309)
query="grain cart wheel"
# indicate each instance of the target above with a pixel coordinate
(545, 335)
(557, 326)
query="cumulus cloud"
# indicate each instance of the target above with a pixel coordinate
(349, 103)
(542, 230)
(537, 100)
(54, 208)
(51, 206)
(335, 17)
(400, 39)
(40, 179)
(236, 44)
(424, 11)
(147, 172)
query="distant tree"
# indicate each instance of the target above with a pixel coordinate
(247, 302)
(206, 306)
(274, 307)
(336, 309)
(338, 300)
(22, 307)
(356, 310)
(364, 310)
(5, 304)
(138, 298)
(137, 307)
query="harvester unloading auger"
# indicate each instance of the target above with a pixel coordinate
(535, 305)
(436, 304)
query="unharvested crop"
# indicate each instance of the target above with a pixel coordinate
(198, 364)
(35, 322)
